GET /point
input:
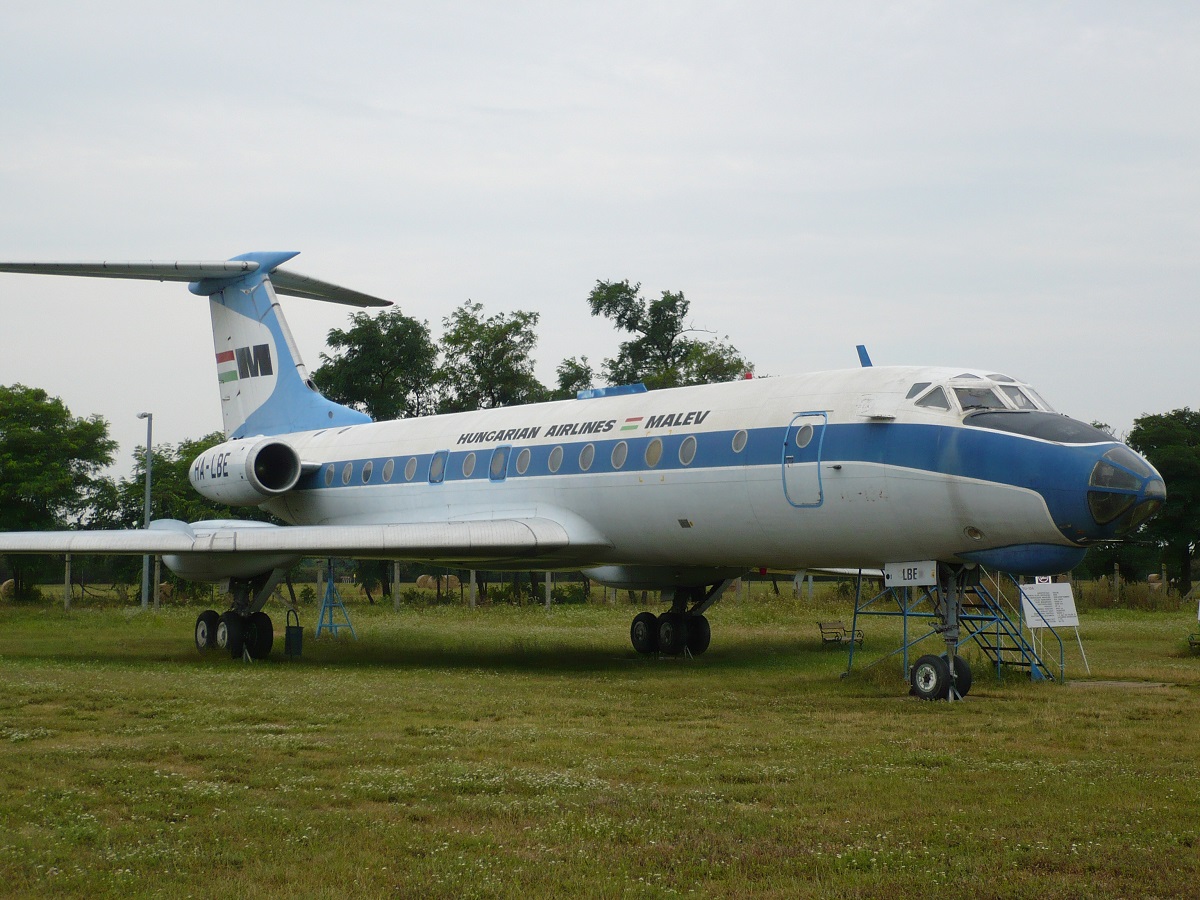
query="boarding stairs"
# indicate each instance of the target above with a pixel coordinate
(987, 618)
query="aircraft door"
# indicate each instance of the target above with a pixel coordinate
(802, 459)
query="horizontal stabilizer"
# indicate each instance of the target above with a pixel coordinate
(293, 284)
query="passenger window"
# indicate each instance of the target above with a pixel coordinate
(523, 460)
(586, 455)
(556, 458)
(468, 465)
(935, 399)
(687, 450)
(619, 454)
(368, 468)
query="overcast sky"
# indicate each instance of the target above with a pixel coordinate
(1013, 186)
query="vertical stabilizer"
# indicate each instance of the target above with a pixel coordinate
(265, 388)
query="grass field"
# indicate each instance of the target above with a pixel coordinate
(510, 751)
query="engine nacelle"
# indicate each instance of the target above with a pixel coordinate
(246, 472)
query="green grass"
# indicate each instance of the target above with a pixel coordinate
(514, 752)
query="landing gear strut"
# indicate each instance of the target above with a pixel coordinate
(946, 677)
(683, 628)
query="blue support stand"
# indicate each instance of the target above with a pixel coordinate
(331, 601)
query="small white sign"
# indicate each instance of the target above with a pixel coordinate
(922, 573)
(1049, 606)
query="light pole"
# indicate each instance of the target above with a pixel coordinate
(149, 417)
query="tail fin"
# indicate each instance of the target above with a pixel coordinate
(265, 388)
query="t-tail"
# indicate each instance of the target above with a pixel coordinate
(265, 388)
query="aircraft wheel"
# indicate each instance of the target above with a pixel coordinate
(260, 635)
(231, 633)
(206, 630)
(699, 634)
(672, 633)
(643, 633)
(931, 678)
(962, 675)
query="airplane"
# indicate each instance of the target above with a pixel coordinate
(679, 490)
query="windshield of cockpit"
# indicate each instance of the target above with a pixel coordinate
(967, 391)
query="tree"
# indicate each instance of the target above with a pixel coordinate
(662, 355)
(574, 375)
(1171, 441)
(386, 366)
(49, 460)
(488, 361)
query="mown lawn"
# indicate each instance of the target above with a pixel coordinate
(510, 751)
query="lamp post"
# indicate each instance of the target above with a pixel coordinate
(149, 417)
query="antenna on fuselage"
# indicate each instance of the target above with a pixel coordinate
(862, 356)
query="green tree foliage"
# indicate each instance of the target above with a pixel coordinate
(384, 365)
(574, 375)
(488, 361)
(1171, 441)
(49, 461)
(661, 354)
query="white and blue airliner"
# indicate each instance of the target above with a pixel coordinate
(679, 491)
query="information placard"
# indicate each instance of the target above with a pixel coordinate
(1049, 606)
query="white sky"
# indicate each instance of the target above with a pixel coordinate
(1013, 186)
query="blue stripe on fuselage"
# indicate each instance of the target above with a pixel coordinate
(1058, 472)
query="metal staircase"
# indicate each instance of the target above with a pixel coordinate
(986, 617)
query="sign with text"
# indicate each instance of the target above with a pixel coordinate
(922, 573)
(1049, 606)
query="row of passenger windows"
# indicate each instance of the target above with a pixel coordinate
(499, 463)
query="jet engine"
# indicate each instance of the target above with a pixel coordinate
(246, 472)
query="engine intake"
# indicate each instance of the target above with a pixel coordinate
(246, 472)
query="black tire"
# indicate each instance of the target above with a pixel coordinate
(963, 679)
(643, 633)
(930, 678)
(231, 633)
(206, 629)
(672, 633)
(260, 635)
(699, 634)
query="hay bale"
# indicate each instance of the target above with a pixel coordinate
(452, 583)
(8, 589)
(425, 582)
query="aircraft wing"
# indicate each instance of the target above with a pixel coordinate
(503, 538)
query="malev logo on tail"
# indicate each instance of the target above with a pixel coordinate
(244, 362)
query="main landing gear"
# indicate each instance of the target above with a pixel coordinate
(245, 630)
(680, 630)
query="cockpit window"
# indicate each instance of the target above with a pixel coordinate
(917, 388)
(1038, 398)
(935, 399)
(1038, 424)
(1001, 378)
(1019, 398)
(967, 375)
(978, 398)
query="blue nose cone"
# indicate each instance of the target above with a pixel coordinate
(1124, 491)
